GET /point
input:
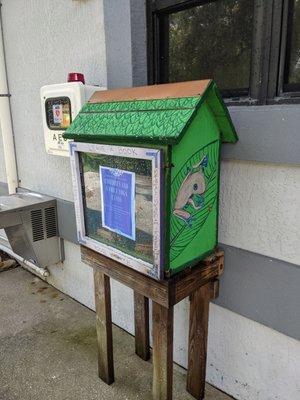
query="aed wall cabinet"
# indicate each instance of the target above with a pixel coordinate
(60, 105)
(145, 165)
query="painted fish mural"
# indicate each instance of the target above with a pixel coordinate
(191, 192)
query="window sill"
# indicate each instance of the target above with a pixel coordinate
(240, 101)
(285, 99)
(246, 101)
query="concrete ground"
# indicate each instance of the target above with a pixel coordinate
(48, 349)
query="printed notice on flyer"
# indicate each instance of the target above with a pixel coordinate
(118, 201)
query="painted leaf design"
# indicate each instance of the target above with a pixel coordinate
(182, 234)
(150, 125)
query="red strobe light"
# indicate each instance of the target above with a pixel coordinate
(76, 77)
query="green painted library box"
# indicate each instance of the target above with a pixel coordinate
(145, 167)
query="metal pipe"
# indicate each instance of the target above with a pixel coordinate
(6, 123)
(40, 272)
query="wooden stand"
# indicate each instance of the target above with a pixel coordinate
(200, 283)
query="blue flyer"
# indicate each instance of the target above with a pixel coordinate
(118, 200)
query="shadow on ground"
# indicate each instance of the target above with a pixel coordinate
(48, 349)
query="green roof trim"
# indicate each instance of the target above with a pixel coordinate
(161, 121)
(142, 105)
(221, 113)
(161, 126)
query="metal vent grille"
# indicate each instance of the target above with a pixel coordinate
(51, 224)
(37, 225)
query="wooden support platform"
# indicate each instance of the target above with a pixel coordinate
(200, 284)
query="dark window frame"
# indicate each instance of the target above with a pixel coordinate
(279, 92)
(268, 59)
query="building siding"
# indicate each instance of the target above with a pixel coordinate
(259, 202)
(44, 40)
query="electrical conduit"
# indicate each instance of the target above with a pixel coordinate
(6, 124)
(9, 151)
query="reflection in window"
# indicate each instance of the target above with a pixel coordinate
(292, 72)
(212, 40)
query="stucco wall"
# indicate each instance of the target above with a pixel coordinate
(2, 165)
(44, 40)
(259, 202)
(118, 43)
(260, 208)
(245, 359)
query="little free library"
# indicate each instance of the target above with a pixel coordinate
(146, 165)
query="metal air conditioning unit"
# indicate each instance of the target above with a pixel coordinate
(30, 223)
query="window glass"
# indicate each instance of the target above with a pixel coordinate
(107, 184)
(293, 45)
(212, 40)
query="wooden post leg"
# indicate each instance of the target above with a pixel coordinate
(141, 323)
(199, 308)
(162, 352)
(104, 327)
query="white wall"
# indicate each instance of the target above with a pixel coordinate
(44, 41)
(245, 359)
(260, 208)
(2, 164)
(118, 43)
(251, 361)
